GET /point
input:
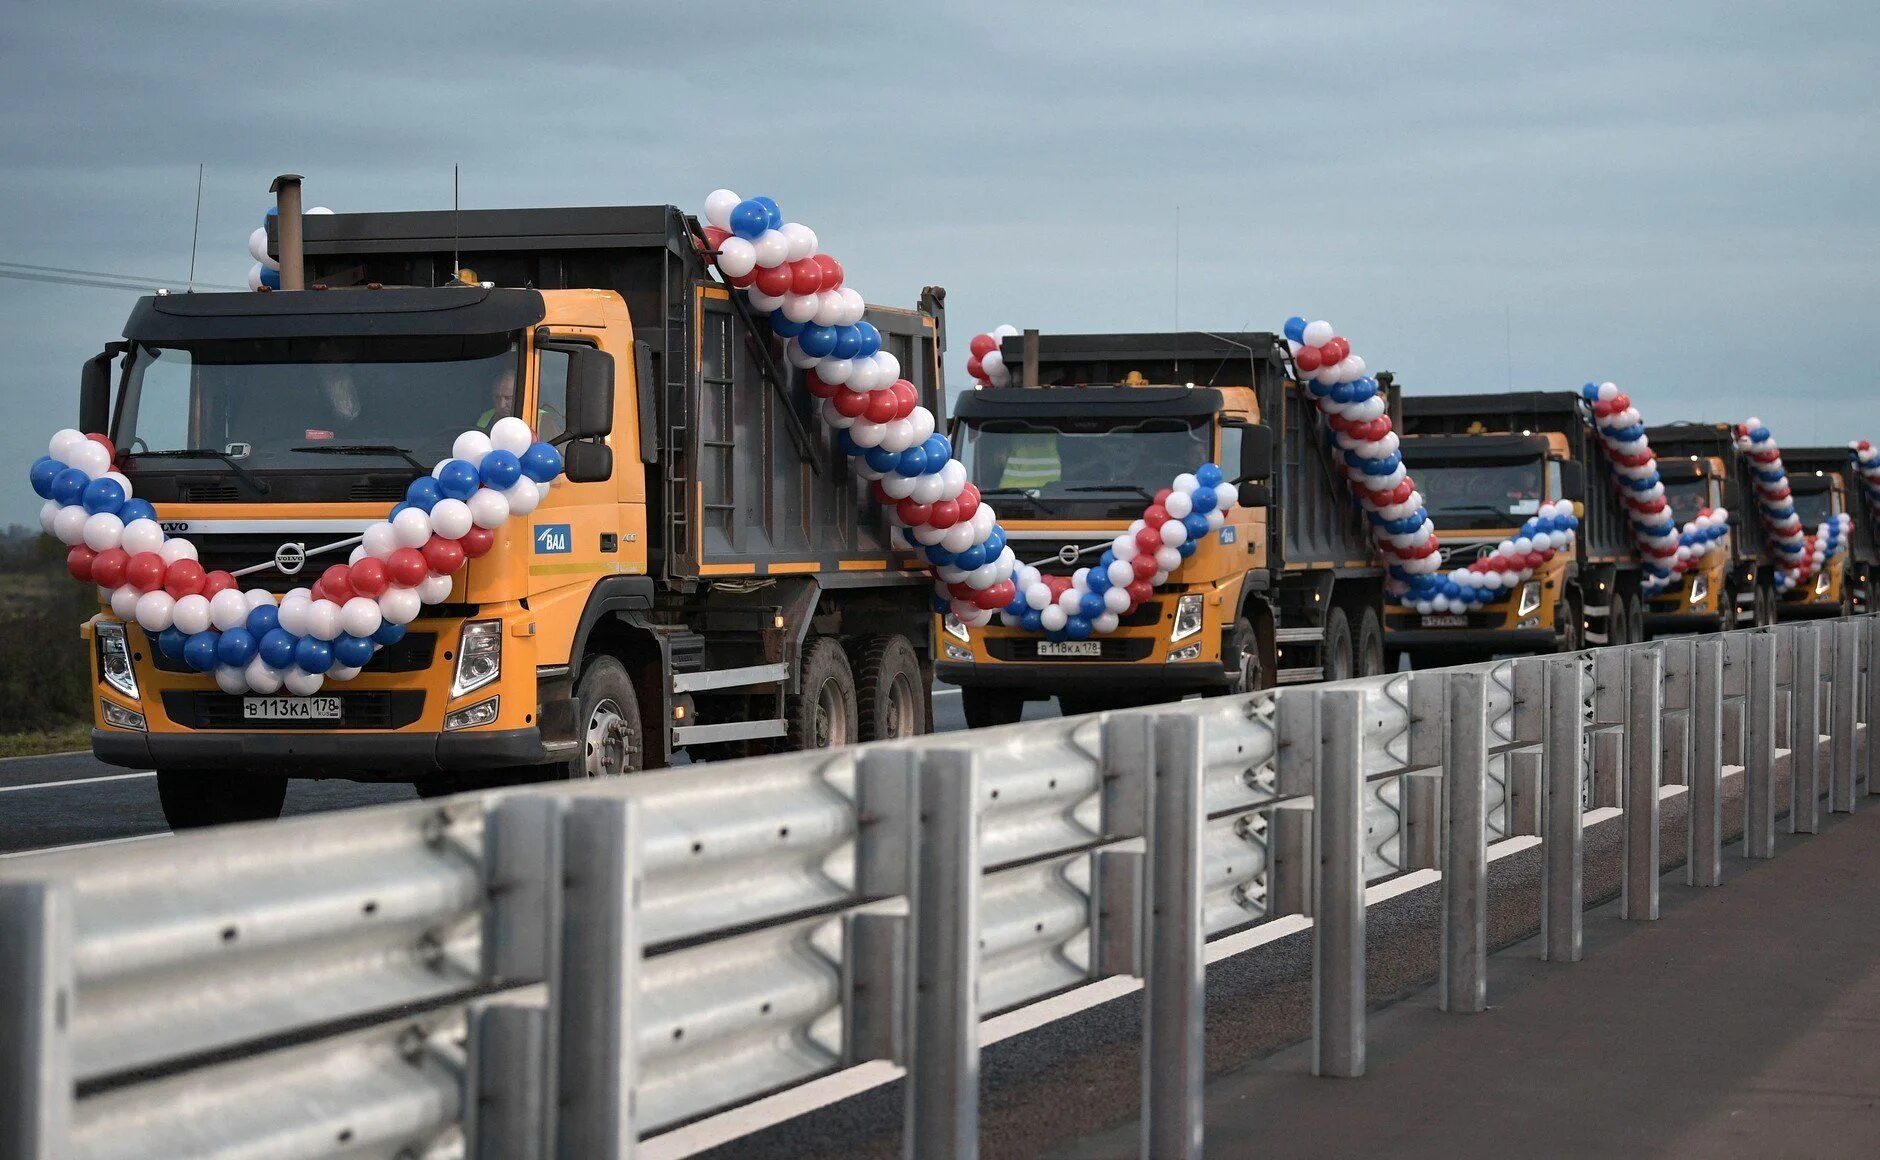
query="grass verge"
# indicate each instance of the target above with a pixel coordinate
(58, 739)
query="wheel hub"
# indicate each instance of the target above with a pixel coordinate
(609, 742)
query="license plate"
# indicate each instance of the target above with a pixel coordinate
(290, 708)
(1439, 620)
(1070, 648)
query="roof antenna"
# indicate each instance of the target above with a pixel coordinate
(196, 232)
(456, 268)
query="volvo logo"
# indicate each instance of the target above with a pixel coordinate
(289, 559)
(1069, 554)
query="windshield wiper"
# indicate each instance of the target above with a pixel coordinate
(1134, 489)
(246, 476)
(1043, 508)
(363, 449)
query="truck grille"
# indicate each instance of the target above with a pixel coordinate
(412, 654)
(380, 709)
(1024, 648)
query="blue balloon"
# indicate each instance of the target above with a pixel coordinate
(938, 556)
(1031, 620)
(1296, 328)
(881, 459)
(1054, 634)
(817, 341)
(940, 604)
(273, 210)
(313, 655)
(236, 648)
(457, 479)
(103, 495)
(1205, 499)
(137, 509)
(783, 327)
(1017, 607)
(270, 278)
(352, 651)
(388, 633)
(424, 493)
(870, 339)
(913, 463)
(1077, 627)
(170, 642)
(971, 558)
(749, 219)
(1196, 524)
(400, 506)
(1187, 548)
(848, 342)
(263, 619)
(199, 651)
(770, 206)
(1091, 605)
(1209, 475)
(68, 487)
(277, 648)
(938, 452)
(500, 469)
(45, 469)
(995, 542)
(1099, 579)
(541, 462)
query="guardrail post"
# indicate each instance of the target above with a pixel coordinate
(1703, 864)
(942, 1102)
(1338, 910)
(1465, 845)
(1870, 649)
(1609, 710)
(1844, 725)
(1172, 1042)
(1421, 795)
(1289, 875)
(1639, 889)
(36, 985)
(1759, 750)
(1674, 729)
(597, 985)
(1524, 765)
(507, 1107)
(1805, 730)
(1735, 694)
(1562, 765)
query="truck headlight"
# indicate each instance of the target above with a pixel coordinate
(114, 658)
(479, 657)
(955, 628)
(1700, 588)
(118, 717)
(1821, 583)
(1187, 617)
(1530, 598)
(481, 713)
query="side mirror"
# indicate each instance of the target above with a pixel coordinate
(1572, 480)
(94, 390)
(1256, 454)
(587, 462)
(1255, 494)
(590, 393)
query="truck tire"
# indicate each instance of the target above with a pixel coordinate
(1572, 637)
(1618, 620)
(822, 714)
(608, 720)
(1765, 605)
(1335, 650)
(985, 708)
(1370, 650)
(1241, 658)
(889, 697)
(194, 798)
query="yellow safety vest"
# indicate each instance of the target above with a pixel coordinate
(1032, 463)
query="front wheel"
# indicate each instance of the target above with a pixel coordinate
(1241, 658)
(194, 798)
(1572, 631)
(611, 740)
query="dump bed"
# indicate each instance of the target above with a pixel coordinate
(1863, 546)
(1605, 534)
(1674, 441)
(740, 474)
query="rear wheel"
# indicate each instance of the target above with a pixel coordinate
(1335, 649)
(890, 699)
(1618, 620)
(1765, 605)
(988, 707)
(194, 798)
(1370, 647)
(822, 714)
(1635, 619)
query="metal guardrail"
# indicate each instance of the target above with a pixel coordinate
(563, 971)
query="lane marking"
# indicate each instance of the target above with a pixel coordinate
(86, 845)
(77, 781)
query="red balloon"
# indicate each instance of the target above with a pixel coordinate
(743, 280)
(975, 368)
(943, 513)
(443, 556)
(1139, 591)
(961, 590)
(407, 567)
(968, 502)
(983, 345)
(882, 406)
(477, 542)
(183, 578)
(1155, 515)
(1333, 351)
(1144, 566)
(1400, 493)
(145, 571)
(337, 580)
(369, 577)
(881, 494)
(218, 581)
(913, 514)
(991, 598)
(909, 396)
(806, 277)
(774, 280)
(1161, 497)
(821, 389)
(852, 404)
(715, 237)
(831, 271)
(1307, 359)
(107, 568)
(1148, 540)
(105, 443)
(79, 563)
(316, 591)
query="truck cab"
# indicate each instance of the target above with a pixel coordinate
(1734, 586)
(1820, 494)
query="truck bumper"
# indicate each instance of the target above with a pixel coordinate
(382, 757)
(1049, 680)
(1807, 611)
(1487, 641)
(1656, 622)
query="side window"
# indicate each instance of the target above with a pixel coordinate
(1553, 478)
(1229, 461)
(164, 403)
(551, 394)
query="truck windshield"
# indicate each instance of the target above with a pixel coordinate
(1480, 493)
(1687, 497)
(257, 400)
(1076, 459)
(1812, 503)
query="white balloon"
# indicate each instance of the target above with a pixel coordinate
(953, 481)
(103, 531)
(1053, 617)
(412, 527)
(341, 673)
(64, 441)
(177, 549)
(928, 535)
(983, 519)
(471, 447)
(800, 307)
(993, 361)
(450, 518)
(261, 678)
(511, 434)
(293, 613)
(123, 601)
(761, 302)
(1120, 573)
(718, 206)
(302, 683)
(1226, 497)
(1168, 559)
(141, 536)
(1178, 504)
(1070, 600)
(1186, 482)
(927, 488)
(322, 620)
(865, 376)
(258, 248)
(1215, 519)
(523, 496)
(434, 589)
(400, 605)
(889, 366)
(835, 371)
(799, 358)
(231, 680)
(228, 610)
(958, 538)
(254, 276)
(899, 486)
(69, 524)
(1174, 533)
(360, 616)
(772, 248)
(91, 458)
(802, 240)
(830, 309)
(1117, 599)
(923, 422)
(1005, 330)
(357, 554)
(867, 434)
(1124, 548)
(1319, 333)
(255, 597)
(488, 508)
(1105, 623)
(119, 478)
(48, 512)
(317, 211)
(381, 540)
(897, 435)
(736, 257)
(853, 308)
(154, 610)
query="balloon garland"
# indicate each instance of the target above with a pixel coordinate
(247, 640)
(1669, 550)
(266, 272)
(986, 365)
(1867, 461)
(1365, 449)
(1802, 556)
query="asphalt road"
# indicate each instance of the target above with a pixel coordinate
(67, 799)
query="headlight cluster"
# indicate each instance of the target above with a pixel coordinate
(1821, 583)
(1700, 589)
(956, 629)
(1187, 617)
(114, 658)
(1530, 598)
(479, 658)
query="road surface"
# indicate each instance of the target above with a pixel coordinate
(67, 799)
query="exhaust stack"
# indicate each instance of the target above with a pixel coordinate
(286, 189)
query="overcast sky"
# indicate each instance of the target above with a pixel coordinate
(1679, 196)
